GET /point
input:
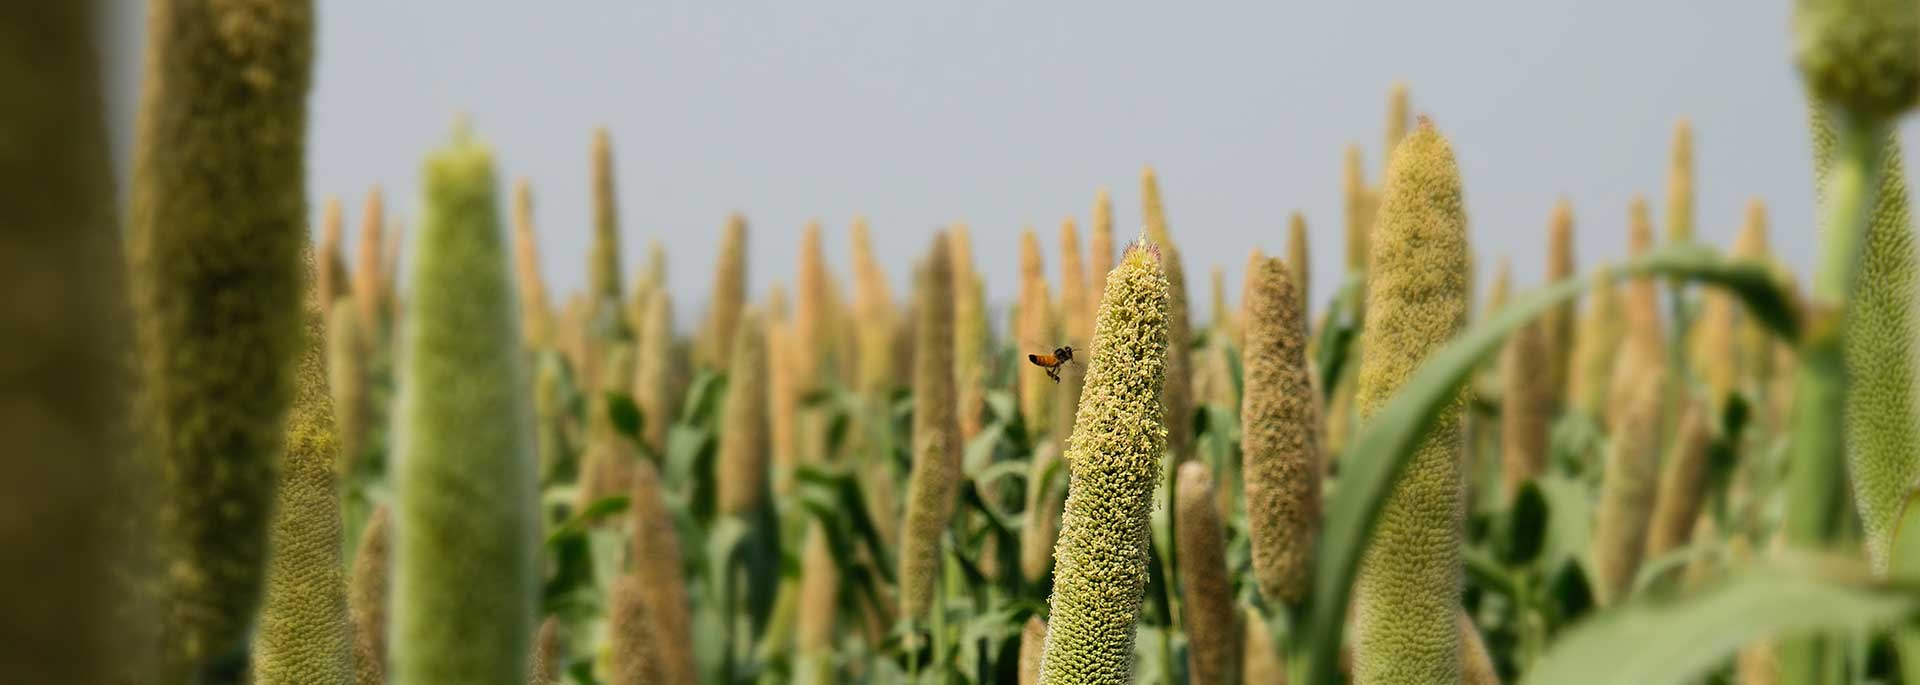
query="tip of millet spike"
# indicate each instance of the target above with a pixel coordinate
(1423, 121)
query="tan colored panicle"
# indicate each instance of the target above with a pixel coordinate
(1176, 398)
(603, 262)
(367, 599)
(818, 610)
(536, 313)
(1680, 185)
(1099, 252)
(1559, 320)
(549, 654)
(1683, 482)
(1035, 327)
(1502, 288)
(1526, 409)
(1754, 341)
(1298, 260)
(369, 295)
(1476, 663)
(331, 280)
(654, 366)
(743, 438)
(1713, 344)
(1033, 641)
(1359, 207)
(1076, 316)
(660, 644)
(390, 271)
(1627, 487)
(1220, 321)
(729, 297)
(813, 314)
(1594, 347)
(1643, 295)
(1280, 444)
(873, 319)
(934, 486)
(1152, 211)
(783, 399)
(1399, 114)
(1042, 513)
(1410, 575)
(649, 276)
(1249, 279)
(1211, 614)
(970, 336)
(1260, 663)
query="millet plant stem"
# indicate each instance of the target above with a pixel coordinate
(1814, 494)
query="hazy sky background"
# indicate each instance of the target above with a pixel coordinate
(1011, 114)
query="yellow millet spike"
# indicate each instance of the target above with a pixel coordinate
(729, 297)
(1114, 455)
(1559, 320)
(1298, 260)
(1408, 591)
(1680, 185)
(1683, 482)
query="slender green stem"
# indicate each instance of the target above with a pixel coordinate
(1817, 469)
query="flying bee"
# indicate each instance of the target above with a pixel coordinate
(1052, 362)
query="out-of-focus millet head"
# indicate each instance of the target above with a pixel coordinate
(1280, 424)
(1680, 185)
(1410, 576)
(744, 440)
(1859, 55)
(217, 223)
(1212, 617)
(1114, 456)
(729, 295)
(933, 487)
(603, 267)
(1298, 257)
(367, 598)
(666, 637)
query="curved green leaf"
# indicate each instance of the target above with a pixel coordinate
(1680, 640)
(1378, 453)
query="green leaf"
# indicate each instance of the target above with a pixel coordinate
(1335, 347)
(1380, 451)
(625, 414)
(1524, 528)
(1678, 641)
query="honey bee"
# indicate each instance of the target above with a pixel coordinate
(1053, 362)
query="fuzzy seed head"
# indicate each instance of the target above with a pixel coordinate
(1410, 575)
(729, 296)
(743, 440)
(549, 654)
(536, 313)
(1359, 207)
(1280, 443)
(1211, 615)
(603, 265)
(1298, 260)
(813, 314)
(1595, 346)
(1559, 321)
(331, 279)
(661, 645)
(1526, 409)
(1114, 457)
(1035, 326)
(653, 372)
(369, 283)
(1683, 483)
(1033, 640)
(1627, 487)
(1859, 55)
(1680, 185)
(933, 488)
(466, 516)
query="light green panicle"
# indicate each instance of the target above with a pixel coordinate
(1882, 418)
(1213, 637)
(1410, 575)
(62, 403)
(303, 634)
(1280, 437)
(933, 486)
(465, 524)
(1863, 55)
(1114, 457)
(218, 221)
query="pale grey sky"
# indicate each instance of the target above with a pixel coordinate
(1010, 114)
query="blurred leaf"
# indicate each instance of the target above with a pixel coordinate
(1651, 642)
(585, 518)
(703, 397)
(1335, 346)
(1524, 528)
(625, 414)
(1384, 443)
